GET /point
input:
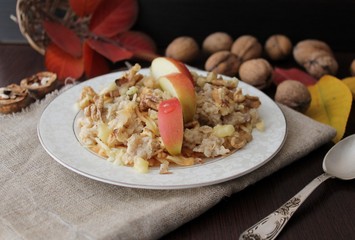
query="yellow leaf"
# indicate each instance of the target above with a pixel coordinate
(331, 103)
(350, 82)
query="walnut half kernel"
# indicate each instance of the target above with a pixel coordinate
(40, 84)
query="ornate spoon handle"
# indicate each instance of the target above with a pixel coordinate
(271, 226)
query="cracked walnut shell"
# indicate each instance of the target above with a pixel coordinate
(40, 84)
(13, 98)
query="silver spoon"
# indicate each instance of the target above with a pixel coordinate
(339, 162)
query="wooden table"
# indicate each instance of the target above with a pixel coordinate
(329, 213)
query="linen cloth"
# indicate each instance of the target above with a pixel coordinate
(41, 199)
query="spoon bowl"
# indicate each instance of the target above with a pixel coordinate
(339, 162)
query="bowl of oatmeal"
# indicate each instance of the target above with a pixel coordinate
(106, 129)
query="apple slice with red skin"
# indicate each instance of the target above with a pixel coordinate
(180, 86)
(171, 125)
(162, 66)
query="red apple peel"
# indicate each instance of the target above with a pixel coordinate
(171, 125)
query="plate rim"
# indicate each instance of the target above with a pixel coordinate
(149, 186)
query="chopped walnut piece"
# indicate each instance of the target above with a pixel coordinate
(192, 124)
(94, 111)
(252, 101)
(149, 99)
(217, 96)
(131, 77)
(232, 83)
(238, 96)
(237, 143)
(164, 167)
(240, 139)
(86, 97)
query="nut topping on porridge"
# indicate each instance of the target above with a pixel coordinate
(127, 122)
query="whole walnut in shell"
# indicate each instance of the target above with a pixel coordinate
(278, 47)
(246, 47)
(303, 49)
(294, 94)
(217, 41)
(183, 48)
(256, 72)
(321, 63)
(316, 57)
(223, 62)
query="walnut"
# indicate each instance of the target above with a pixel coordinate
(321, 63)
(183, 48)
(223, 62)
(278, 47)
(246, 47)
(95, 110)
(13, 98)
(256, 72)
(294, 94)
(86, 97)
(316, 57)
(148, 99)
(217, 41)
(40, 84)
(352, 68)
(303, 48)
(131, 77)
(237, 142)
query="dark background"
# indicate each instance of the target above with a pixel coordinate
(332, 21)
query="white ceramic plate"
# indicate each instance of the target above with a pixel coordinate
(56, 131)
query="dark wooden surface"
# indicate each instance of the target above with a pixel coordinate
(329, 213)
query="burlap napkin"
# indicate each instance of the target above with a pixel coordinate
(40, 199)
